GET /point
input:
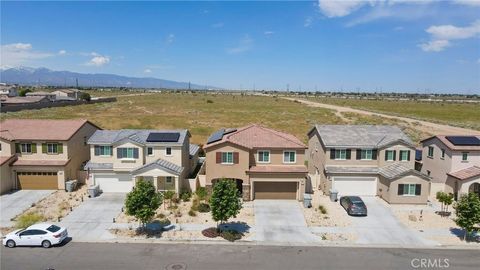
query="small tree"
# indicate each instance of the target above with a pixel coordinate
(168, 195)
(143, 201)
(441, 198)
(468, 212)
(23, 92)
(201, 193)
(447, 201)
(85, 96)
(224, 202)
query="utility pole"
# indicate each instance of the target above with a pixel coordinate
(288, 87)
(189, 86)
(76, 82)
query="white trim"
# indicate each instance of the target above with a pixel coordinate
(295, 156)
(339, 149)
(226, 163)
(393, 155)
(269, 156)
(371, 152)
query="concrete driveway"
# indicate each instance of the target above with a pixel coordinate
(382, 227)
(92, 219)
(14, 203)
(281, 221)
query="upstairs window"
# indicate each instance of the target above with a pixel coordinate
(443, 153)
(127, 152)
(464, 156)
(339, 154)
(404, 155)
(263, 156)
(26, 148)
(289, 157)
(430, 151)
(227, 157)
(52, 148)
(150, 151)
(168, 151)
(366, 154)
(103, 150)
(390, 155)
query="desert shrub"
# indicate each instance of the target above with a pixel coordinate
(195, 204)
(322, 209)
(161, 216)
(173, 207)
(211, 232)
(178, 214)
(28, 219)
(231, 235)
(202, 193)
(185, 196)
(209, 101)
(175, 200)
(203, 208)
(192, 213)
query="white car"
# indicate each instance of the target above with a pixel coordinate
(43, 234)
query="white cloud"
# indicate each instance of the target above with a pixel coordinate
(434, 45)
(217, 25)
(475, 3)
(442, 34)
(16, 54)
(268, 33)
(98, 60)
(331, 8)
(245, 44)
(170, 38)
(147, 70)
(308, 22)
(62, 52)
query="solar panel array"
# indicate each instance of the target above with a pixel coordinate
(163, 137)
(217, 136)
(464, 140)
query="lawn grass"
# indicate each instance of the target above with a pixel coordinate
(201, 113)
(456, 114)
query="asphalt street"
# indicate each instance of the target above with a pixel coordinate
(198, 256)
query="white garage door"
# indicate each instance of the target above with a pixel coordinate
(359, 186)
(114, 183)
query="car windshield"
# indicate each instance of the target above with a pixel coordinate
(53, 228)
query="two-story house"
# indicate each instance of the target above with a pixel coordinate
(120, 157)
(366, 160)
(453, 163)
(264, 163)
(42, 154)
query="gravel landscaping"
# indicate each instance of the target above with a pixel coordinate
(335, 214)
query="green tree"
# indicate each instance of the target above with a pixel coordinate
(23, 92)
(468, 212)
(224, 201)
(85, 96)
(168, 195)
(447, 201)
(143, 201)
(201, 193)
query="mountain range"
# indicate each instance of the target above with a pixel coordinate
(47, 77)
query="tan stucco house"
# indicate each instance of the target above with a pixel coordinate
(453, 163)
(365, 160)
(121, 157)
(264, 163)
(42, 154)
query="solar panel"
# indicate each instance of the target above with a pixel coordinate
(163, 137)
(464, 140)
(228, 131)
(217, 136)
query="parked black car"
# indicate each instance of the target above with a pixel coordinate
(353, 205)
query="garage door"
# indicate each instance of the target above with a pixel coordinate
(114, 183)
(37, 180)
(359, 186)
(275, 190)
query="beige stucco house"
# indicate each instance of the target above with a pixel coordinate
(453, 163)
(264, 163)
(121, 157)
(42, 154)
(365, 160)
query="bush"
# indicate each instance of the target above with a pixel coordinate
(209, 101)
(231, 235)
(28, 219)
(176, 200)
(192, 213)
(210, 232)
(322, 209)
(185, 196)
(203, 208)
(85, 96)
(202, 193)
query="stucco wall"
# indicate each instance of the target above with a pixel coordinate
(238, 171)
(393, 196)
(6, 179)
(437, 166)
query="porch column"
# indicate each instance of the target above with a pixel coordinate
(155, 182)
(177, 186)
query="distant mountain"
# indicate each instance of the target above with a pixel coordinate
(45, 76)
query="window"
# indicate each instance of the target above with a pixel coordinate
(464, 156)
(430, 151)
(340, 154)
(390, 155)
(367, 154)
(168, 179)
(26, 148)
(0, 147)
(150, 151)
(289, 157)
(443, 153)
(263, 156)
(103, 150)
(404, 155)
(53, 228)
(127, 152)
(52, 148)
(227, 157)
(168, 151)
(429, 172)
(409, 189)
(84, 140)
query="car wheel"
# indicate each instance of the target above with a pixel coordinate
(46, 244)
(11, 244)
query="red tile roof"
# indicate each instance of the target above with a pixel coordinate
(278, 169)
(466, 173)
(256, 136)
(451, 146)
(5, 159)
(26, 162)
(29, 129)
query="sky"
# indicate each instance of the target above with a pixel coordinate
(376, 45)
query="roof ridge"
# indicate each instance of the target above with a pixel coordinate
(281, 134)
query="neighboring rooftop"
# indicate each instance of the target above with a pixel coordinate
(162, 164)
(466, 173)
(40, 93)
(457, 142)
(373, 136)
(255, 137)
(36, 129)
(139, 136)
(22, 100)
(193, 150)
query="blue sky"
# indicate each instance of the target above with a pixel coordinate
(378, 45)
